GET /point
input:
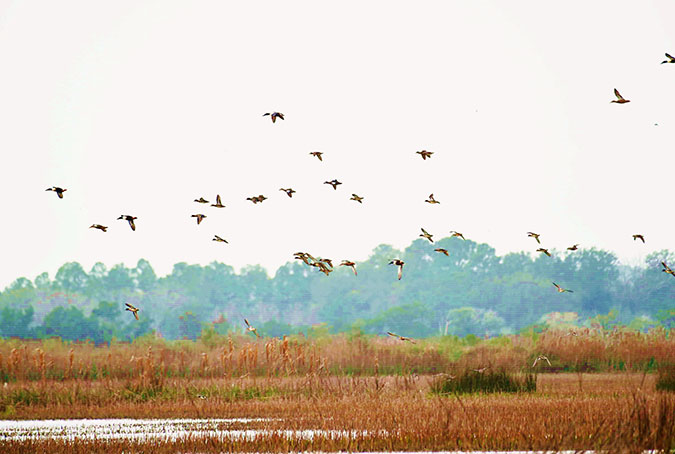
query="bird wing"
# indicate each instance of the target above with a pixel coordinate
(670, 56)
(617, 94)
(247, 324)
(130, 306)
(132, 225)
(136, 314)
(400, 272)
(556, 286)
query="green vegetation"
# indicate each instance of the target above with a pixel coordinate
(473, 381)
(470, 292)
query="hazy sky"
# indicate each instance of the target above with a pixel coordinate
(139, 107)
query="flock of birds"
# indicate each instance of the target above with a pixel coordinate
(325, 265)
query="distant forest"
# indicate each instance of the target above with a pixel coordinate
(470, 291)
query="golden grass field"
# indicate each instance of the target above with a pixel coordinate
(377, 385)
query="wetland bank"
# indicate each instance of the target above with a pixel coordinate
(348, 393)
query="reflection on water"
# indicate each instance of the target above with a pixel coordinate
(144, 429)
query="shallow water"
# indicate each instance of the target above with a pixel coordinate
(145, 429)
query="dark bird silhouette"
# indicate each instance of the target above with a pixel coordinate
(402, 338)
(132, 309)
(219, 239)
(545, 251)
(99, 226)
(666, 269)
(59, 191)
(218, 203)
(534, 235)
(457, 234)
(357, 198)
(289, 192)
(442, 251)
(562, 290)
(638, 237)
(200, 217)
(333, 183)
(426, 235)
(619, 99)
(130, 219)
(274, 116)
(425, 154)
(201, 200)
(350, 264)
(431, 199)
(670, 59)
(400, 264)
(573, 248)
(317, 154)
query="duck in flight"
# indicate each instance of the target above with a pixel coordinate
(457, 234)
(218, 203)
(251, 329)
(400, 264)
(541, 358)
(274, 116)
(219, 239)
(534, 235)
(333, 183)
(59, 191)
(573, 247)
(670, 59)
(638, 237)
(619, 99)
(130, 219)
(544, 251)
(425, 154)
(431, 199)
(350, 264)
(666, 269)
(201, 200)
(357, 198)
(99, 226)
(317, 154)
(132, 309)
(426, 235)
(401, 338)
(289, 192)
(561, 290)
(200, 217)
(442, 251)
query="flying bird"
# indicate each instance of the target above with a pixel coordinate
(541, 358)
(442, 251)
(218, 203)
(99, 226)
(425, 154)
(317, 154)
(400, 264)
(59, 191)
(426, 235)
(481, 370)
(333, 183)
(402, 338)
(431, 199)
(534, 235)
(666, 269)
(200, 217)
(545, 251)
(573, 248)
(129, 219)
(219, 239)
(274, 116)
(132, 309)
(356, 197)
(638, 237)
(201, 200)
(670, 58)
(350, 264)
(561, 290)
(289, 192)
(251, 329)
(457, 234)
(619, 99)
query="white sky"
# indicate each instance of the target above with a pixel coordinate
(139, 107)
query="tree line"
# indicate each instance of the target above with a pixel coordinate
(470, 291)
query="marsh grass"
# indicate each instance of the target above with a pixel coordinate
(666, 377)
(471, 381)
